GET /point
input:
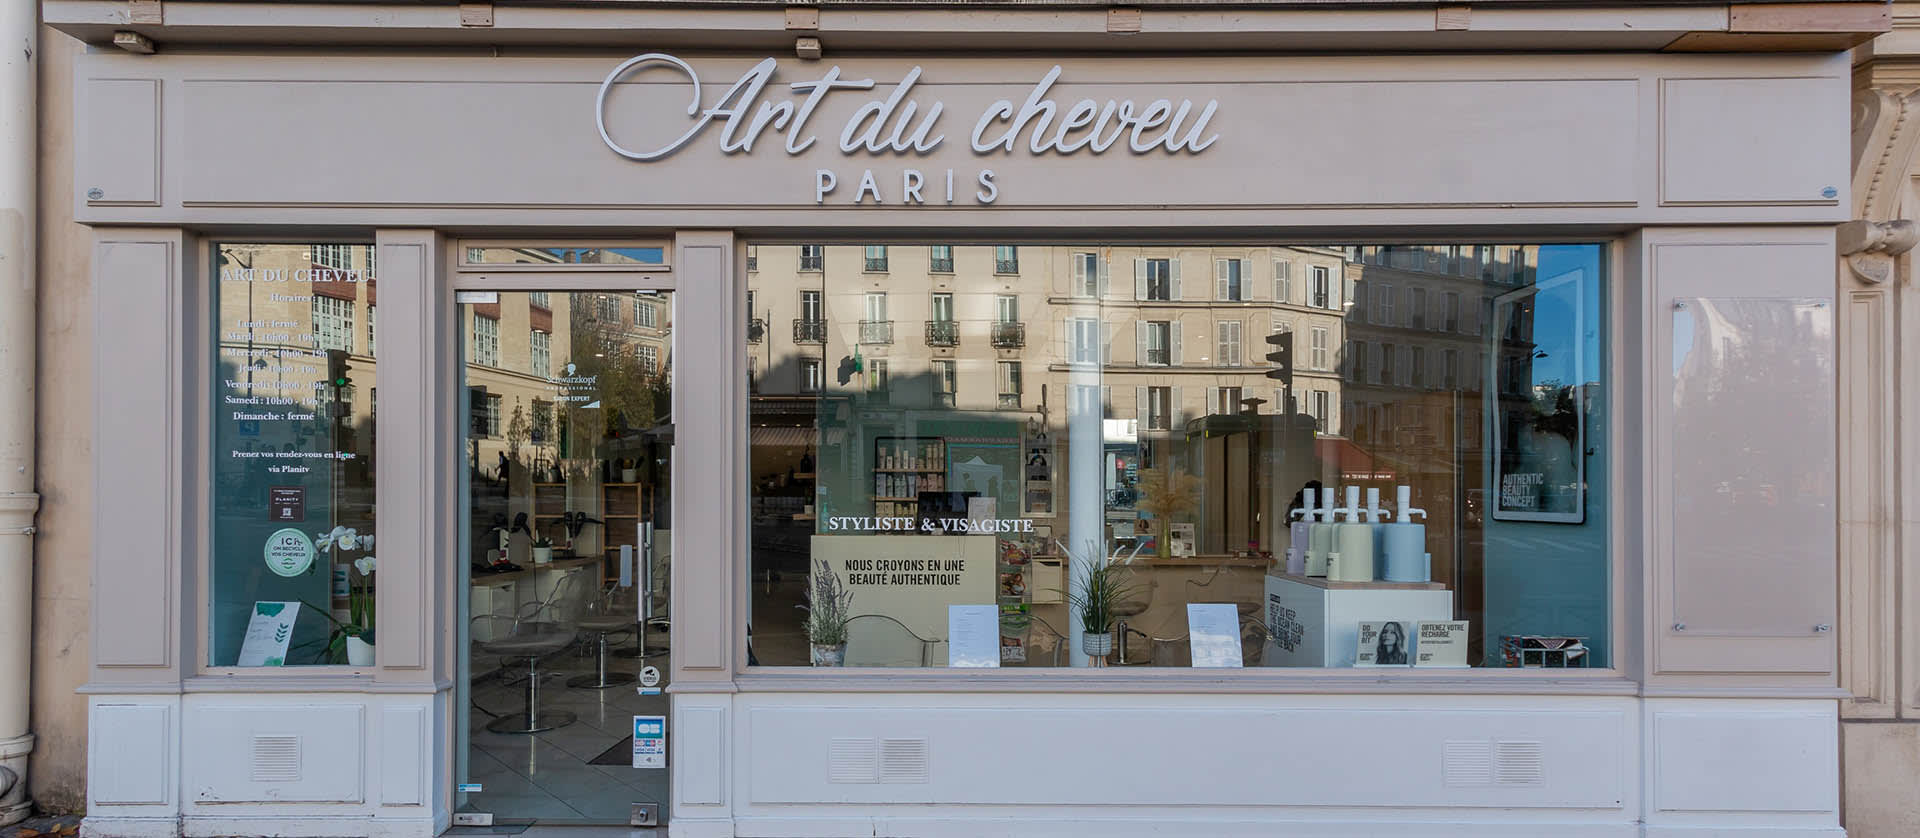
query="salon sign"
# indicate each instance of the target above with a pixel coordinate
(755, 109)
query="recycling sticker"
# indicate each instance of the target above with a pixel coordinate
(289, 552)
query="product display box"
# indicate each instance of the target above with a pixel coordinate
(1313, 622)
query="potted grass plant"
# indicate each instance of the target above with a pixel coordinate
(1098, 585)
(542, 550)
(829, 607)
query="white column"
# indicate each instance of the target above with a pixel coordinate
(1086, 527)
(19, 47)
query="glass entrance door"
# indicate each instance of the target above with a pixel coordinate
(566, 540)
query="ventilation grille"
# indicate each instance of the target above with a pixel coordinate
(1486, 762)
(276, 758)
(877, 761)
(1519, 763)
(853, 761)
(1468, 763)
(903, 760)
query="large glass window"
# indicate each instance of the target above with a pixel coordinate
(292, 557)
(1225, 505)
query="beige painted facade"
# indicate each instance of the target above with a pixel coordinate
(62, 568)
(1681, 204)
(1880, 410)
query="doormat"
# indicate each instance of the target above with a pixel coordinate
(621, 754)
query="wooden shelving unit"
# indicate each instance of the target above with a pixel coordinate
(619, 506)
(904, 466)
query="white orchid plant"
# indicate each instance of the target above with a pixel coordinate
(359, 622)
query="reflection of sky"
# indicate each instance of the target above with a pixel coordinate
(1559, 310)
(643, 255)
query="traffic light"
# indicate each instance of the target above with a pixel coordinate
(337, 369)
(1282, 356)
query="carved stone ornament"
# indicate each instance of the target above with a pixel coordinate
(1885, 142)
(1871, 247)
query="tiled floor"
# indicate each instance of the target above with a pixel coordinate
(545, 776)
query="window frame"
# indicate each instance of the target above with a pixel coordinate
(1221, 343)
(198, 266)
(540, 352)
(1609, 680)
(461, 264)
(1008, 372)
(489, 342)
(1006, 259)
(340, 322)
(1163, 330)
(812, 375)
(819, 261)
(946, 381)
(1159, 407)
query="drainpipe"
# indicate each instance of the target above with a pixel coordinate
(19, 196)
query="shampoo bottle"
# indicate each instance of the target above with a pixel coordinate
(1377, 518)
(1352, 557)
(1297, 541)
(1320, 535)
(1406, 541)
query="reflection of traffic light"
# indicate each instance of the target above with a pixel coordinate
(338, 381)
(337, 369)
(1282, 358)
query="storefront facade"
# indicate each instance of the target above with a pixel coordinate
(1582, 304)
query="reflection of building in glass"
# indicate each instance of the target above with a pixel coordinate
(886, 378)
(293, 429)
(855, 351)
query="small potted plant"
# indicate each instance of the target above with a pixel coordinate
(628, 473)
(542, 550)
(1099, 584)
(358, 629)
(829, 607)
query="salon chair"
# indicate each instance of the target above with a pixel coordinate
(610, 613)
(540, 629)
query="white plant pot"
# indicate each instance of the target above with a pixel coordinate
(629, 475)
(542, 555)
(1097, 645)
(829, 654)
(359, 652)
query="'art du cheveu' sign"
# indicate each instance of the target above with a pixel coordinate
(899, 123)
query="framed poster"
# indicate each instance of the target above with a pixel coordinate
(1537, 401)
